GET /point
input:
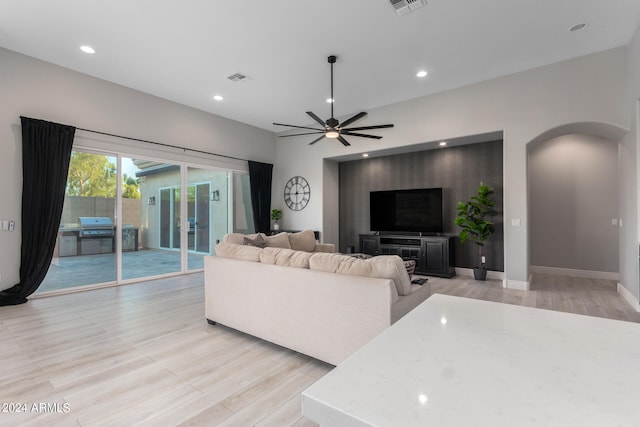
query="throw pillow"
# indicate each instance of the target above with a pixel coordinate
(238, 238)
(258, 242)
(280, 240)
(410, 266)
(303, 241)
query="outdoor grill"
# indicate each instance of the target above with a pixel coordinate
(96, 235)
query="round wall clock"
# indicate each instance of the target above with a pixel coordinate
(297, 193)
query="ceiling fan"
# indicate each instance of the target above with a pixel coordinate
(332, 128)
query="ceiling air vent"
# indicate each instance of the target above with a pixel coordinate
(237, 77)
(402, 7)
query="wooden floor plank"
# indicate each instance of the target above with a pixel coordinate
(144, 354)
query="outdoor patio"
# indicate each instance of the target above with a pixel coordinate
(72, 271)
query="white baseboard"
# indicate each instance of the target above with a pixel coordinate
(588, 274)
(516, 284)
(496, 275)
(629, 297)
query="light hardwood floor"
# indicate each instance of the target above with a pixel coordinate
(143, 354)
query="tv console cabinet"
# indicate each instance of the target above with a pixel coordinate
(434, 255)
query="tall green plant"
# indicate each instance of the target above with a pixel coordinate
(472, 218)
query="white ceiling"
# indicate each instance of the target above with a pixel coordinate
(184, 50)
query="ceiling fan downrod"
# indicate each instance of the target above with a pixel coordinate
(332, 122)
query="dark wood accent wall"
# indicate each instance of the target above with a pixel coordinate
(458, 170)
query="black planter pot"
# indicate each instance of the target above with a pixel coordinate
(480, 273)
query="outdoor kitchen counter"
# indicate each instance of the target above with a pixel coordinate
(67, 243)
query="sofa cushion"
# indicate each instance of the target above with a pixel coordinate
(285, 257)
(303, 241)
(258, 242)
(238, 238)
(280, 240)
(235, 251)
(384, 266)
(328, 262)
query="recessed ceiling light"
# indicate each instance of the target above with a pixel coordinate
(218, 97)
(422, 73)
(443, 143)
(365, 154)
(87, 49)
(577, 27)
(331, 100)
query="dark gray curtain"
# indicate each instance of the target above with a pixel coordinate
(46, 152)
(260, 182)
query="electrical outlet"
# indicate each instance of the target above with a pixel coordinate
(12, 225)
(483, 259)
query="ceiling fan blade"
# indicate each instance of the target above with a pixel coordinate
(306, 133)
(316, 140)
(353, 119)
(299, 127)
(344, 141)
(316, 118)
(369, 127)
(362, 135)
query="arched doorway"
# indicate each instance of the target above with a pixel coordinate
(573, 199)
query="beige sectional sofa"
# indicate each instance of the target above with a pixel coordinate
(325, 305)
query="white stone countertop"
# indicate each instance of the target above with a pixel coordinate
(461, 362)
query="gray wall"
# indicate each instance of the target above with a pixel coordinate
(573, 196)
(628, 179)
(458, 170)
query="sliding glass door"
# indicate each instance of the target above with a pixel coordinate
(129, 218)
(85, 248)
(208, 212)
(151, 206)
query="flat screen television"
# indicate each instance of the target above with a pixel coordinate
(418, 210)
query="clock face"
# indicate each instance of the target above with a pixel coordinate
(297, 193)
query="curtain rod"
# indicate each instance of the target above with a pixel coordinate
(162, 144)
(156, 143)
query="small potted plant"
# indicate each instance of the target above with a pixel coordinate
(472, 218)
(276, 214)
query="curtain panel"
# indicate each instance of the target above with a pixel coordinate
(46, 152)
(260, 175)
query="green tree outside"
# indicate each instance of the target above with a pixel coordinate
(130, 187)
(93, 175)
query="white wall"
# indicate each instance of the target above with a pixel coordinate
(41, 90)
(629, 163)
(573, 197)
(522, 105)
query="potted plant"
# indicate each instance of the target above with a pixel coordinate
(472, 218)
(276, 214)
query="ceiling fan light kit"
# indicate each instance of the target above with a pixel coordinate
(332, 128)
